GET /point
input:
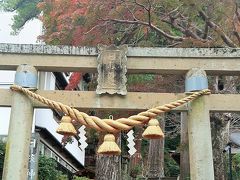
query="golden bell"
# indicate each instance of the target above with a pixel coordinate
(153, 131)
(109, 146)
(66, 127)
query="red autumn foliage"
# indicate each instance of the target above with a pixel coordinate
(83, 22)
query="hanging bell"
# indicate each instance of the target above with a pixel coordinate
(109, 146)
(153, 131)
(66, 127)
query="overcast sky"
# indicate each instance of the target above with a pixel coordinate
(28, 35)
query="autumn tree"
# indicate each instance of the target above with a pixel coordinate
(186, 23)
(25, 11)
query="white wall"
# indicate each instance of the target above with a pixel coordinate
(42, 117)
(4, 120)
(6, 79)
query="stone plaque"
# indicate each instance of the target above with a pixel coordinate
(112, 68)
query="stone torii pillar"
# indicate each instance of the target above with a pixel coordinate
(184, 150)
(199, 130)
(19, 136)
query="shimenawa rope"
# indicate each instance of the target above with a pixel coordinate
(109, 125)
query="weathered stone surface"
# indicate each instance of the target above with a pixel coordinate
(132, 51)
(140, 60)
(112, 69)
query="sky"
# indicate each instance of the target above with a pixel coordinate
(28, 34)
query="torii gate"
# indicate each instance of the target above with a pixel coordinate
(140, 60)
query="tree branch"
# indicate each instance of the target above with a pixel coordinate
(148, 9)
(141, 5)
(178, 19)
(236, 24)
(174, 44)
(205, 35)
(172, 21)
(176, 38)
(94, 27)
(149, 12)
(218, 30)
(158, 30)
(237, 36)
(130, 11)
(237, 12)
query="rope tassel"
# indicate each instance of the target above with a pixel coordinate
(109, 146)
(153, 131)
(66, 127)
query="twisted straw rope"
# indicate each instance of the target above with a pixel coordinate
(109, 125)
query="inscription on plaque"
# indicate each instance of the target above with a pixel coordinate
(112, 68)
